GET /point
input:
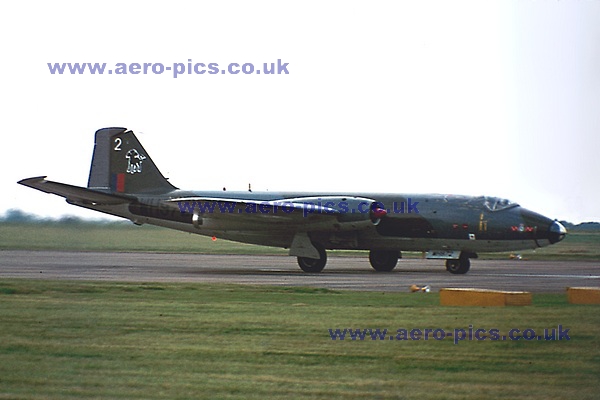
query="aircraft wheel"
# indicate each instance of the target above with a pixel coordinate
(383, 260)
(460, 266)
(314, 264)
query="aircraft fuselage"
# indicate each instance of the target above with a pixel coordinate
(125, 182)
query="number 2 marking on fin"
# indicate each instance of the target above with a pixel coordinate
(118, 142)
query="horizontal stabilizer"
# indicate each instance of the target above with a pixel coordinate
(73, 194)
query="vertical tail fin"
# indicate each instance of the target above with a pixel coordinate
(121, 165)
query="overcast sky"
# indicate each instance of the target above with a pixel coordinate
(495, 98)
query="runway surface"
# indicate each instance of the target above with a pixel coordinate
(340, 273)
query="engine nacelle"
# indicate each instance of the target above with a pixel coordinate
(349, 210)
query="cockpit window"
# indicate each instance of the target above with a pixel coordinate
(497, 204)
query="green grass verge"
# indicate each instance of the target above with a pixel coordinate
(128, 237)
(61, 340)
(118, 237)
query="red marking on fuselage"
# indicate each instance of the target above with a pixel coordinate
(120, 183)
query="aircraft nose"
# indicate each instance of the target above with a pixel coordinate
(556, 232)
(547, 231)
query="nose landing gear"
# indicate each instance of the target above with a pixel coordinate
(460, 266)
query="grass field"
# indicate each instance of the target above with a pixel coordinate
(61, 340)
(128, 237)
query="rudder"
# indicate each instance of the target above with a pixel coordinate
(121, 165)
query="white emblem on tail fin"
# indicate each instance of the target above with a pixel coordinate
(134, 161)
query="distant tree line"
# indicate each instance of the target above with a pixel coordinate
(16, 216)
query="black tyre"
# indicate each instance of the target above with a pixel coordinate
(458, 267)
(384, 260)
(314, 264)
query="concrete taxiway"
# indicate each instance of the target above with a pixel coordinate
(347, 273)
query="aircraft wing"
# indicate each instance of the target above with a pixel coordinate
(73, 194)
(285, 206)
(302, 215)
(312, 214)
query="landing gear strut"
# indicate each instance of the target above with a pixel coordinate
(314, 264)
(384, 260)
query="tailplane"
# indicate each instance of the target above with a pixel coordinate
(121, 165)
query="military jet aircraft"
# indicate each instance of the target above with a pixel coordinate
(124, 181)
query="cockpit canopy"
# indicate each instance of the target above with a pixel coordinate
(491, 203)
(498, 204)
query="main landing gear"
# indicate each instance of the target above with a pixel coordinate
(384, 260)
(314, 264)
(381, 260)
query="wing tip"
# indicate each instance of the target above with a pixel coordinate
(29, 181)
